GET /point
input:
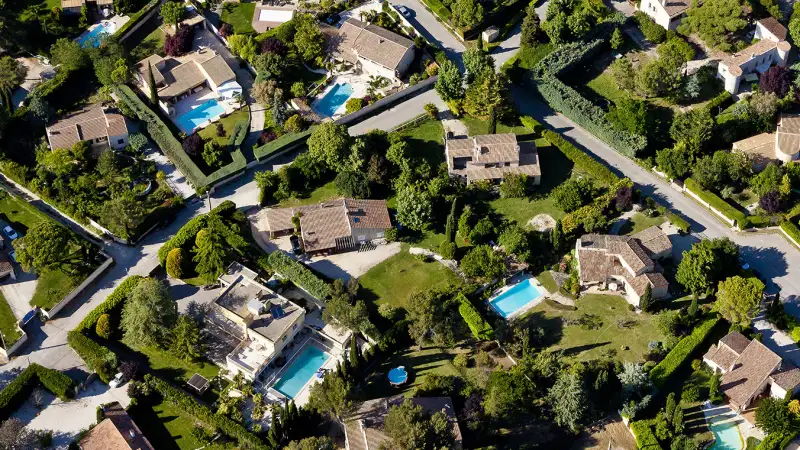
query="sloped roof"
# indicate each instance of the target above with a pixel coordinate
(358, 39)
(87, 124)
(496, 148)
(773, 26)
(367, 213)
(722, 356)
(321, 227)
(787, 376)
(789, 133)
(116, 432)
(676, 7)
(654, 240)
(735, 61)
(192, 70)
(735, 341)
(750, 370)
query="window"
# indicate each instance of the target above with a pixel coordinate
(120, 141)
(285, 338)
(294, 327)
(380, 234)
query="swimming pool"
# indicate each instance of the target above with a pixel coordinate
(726, 437)
(94, 35)
(335, 98)
(199, 116)
(515, 298)
(300, 371)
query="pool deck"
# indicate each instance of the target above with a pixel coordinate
(116, 22)
(515, 280)
(723, 414)
(359, 83)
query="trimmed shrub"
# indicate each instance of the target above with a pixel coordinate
(682, 352)
(447, 250)
(189, 405)
(136, 17)
(19, 389)
(479, 327)
(97, 357)
(103, 327)
(187, 233)
(581, 159)
(645, 438)
(721, 101)
(300, 275)
(112, 305)
(239, 133)
(532, 124)
(175, 263)
(652, 31)
(682, 224)
(726, 209)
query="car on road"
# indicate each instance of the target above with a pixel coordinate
(117, 381)
(404, 11)
(296, 248)
(10, 232)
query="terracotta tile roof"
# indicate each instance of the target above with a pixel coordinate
(597, 266)
(367, 213)
(5, 264)
(735, 61)
(191, 71)
(654, 240)
(676, 7)
(773, 26)
(787, 376)
(631, 252)
(279, 219)
(358, 39)
(789, 134)
(722, 356)
(750, 370)
(116, 432)
(90, 123)
(759, 148)
(735, 341)
(490, 148)
(321, 227)
(217, 70)
(460, 147)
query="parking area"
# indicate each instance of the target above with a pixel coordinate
(18, 292)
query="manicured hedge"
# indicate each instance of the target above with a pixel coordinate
(675, 219)
(239, 133)
(162, 135)
(439, 9)
(791, 229)
(479, 327)
(721, 101)
(112, 305)
(188, 232)
(136, 17)
(566, 57)
(288, 141)
(189, 405)
(645, 439)
(682, 352)
(725, 208)
(19, 389)
(652, 31)
(581, 159)
(532, 124)
(588, 115)
(299, 274)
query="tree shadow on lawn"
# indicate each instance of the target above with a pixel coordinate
(377, 385)
(152, 425)
(552, 328)
(559, 170)
(578, 349)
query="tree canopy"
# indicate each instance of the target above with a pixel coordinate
(46, 245)
(149, 315)
(738, 299)
(410, 428)
(716, 21)
(703, 266)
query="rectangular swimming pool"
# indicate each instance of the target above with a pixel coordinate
(93, 36)
(198, 116)
(300, 371)
(515, 298)
(335, 98)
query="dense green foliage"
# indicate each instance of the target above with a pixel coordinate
(15, 393)
(288, 141)
(300, 275)
(587, 163)
(187, 233)
(682, 352)
(479, 327)
(740, 219)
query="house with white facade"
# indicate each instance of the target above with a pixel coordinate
(491, 157)
(749, 369)
(373, 49)
(781, 146)
(667, 13)
(624, 263)
(101, 126)
(177, 78)
(769, 48)
(262, 319)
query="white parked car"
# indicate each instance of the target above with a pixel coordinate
(10, 232)
(117, 381)
(404, 11)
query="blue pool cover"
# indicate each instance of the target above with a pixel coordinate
(398, 375)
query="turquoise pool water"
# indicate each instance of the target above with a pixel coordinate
(200, 115)
(515, 298)
(726, 437)
(94, 36)
(335, 98)
(302, 369)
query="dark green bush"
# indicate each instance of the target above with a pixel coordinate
(189, 405)
(477, 325)
(19, 389)
(239, 133)
(682, 352)
(645, 438)
(300, 275)
(532, 124)
(725, 208)
(112, 305)
(721, 101)
(652, 31)
(286, 142)
(791, 229)
(187, 233)
(136, 17)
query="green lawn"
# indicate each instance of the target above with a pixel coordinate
(527, 57)
(52, 286)
(166, 424)
(153, 43)
(394, 280)
(745, 198)
(8, 323)
(210, 132)
(640, 222)
(240, 16)
(476, 125)
(606, 86)
(418, 363)
(586, 344)
(425, 140)
(161, 360)
(320, 194)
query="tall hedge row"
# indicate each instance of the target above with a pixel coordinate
(299, 274)
(19, 389)
(791, 229)
(739, 218)
(581, 159)
(645, 438)
(479, 327)
(286, 142)
(682, 352)
(97, 357)
(188, 232)
(189, 405)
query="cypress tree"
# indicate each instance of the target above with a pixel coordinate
(677, 420)
(557, 236)
(492, 120)
(450, 228)
(692, 311)
(355, 360)
(646, 302)
(151, 83)
(671, 404)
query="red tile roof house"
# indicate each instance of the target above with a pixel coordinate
(332, 226)
(491, 157)
(749, 369)
(102, 127)
(627, 261)
(116, 432)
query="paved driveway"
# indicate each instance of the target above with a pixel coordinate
(434, 31)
